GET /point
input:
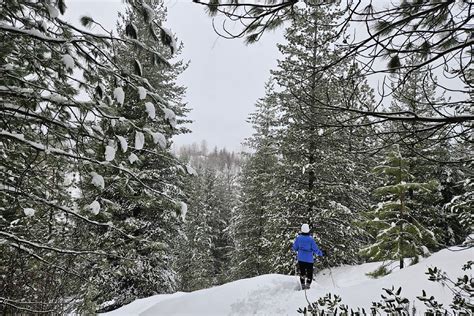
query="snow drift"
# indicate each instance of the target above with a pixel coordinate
(276, 294)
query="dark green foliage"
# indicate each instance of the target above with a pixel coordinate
(62, 6)
(427, 153)
(212, 7)
(258, 200)
(131, 31)
(383, 27)
(252, 38)
(146, 266)
(379, 272)
(86, 21)
(318, 162)
(166, 39)
(397, 233)
(394, 63)
(206, 244)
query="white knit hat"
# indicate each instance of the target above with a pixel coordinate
(305, 228)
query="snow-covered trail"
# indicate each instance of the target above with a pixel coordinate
(276, 294)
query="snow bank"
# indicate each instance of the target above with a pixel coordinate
(276, 294)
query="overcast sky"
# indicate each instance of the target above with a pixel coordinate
(224, 79)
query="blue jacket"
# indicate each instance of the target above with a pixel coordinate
(306, 246)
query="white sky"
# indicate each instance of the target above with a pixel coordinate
(224, 79)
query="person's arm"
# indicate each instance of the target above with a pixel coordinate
(295, 246)
(316, 249)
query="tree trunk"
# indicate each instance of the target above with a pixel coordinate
(311, 147)
(400, 221)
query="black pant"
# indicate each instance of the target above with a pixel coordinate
(306, 271)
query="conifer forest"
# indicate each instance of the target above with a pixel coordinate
(364, 131)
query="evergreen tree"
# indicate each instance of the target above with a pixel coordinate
(461, 203)
(212, 194)
(51, 134)
(145, 268)
(319, 160)
(258, 194)
(398, 234)
(427, 151)
(198, 245)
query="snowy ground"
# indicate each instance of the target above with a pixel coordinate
(275, 294)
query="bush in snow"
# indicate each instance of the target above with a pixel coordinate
(393, 302)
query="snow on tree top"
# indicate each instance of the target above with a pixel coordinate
(159, 138)
(150, 110)
(57, 97)
(191, 170)
(33, 32)
(109, 152)
(139, 140)
(29, 212)
(170, 116)
(173, 43)
(119, 95)
(184, 210)
(123, 143)
(97, 180)
(68, 61)
(94, 207)
(141, 93)
(132, 158)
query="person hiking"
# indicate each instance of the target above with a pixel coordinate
(305, 246)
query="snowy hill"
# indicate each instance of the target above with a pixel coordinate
(275, 294)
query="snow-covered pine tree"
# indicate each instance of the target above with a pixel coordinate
(147, 268)
(258, 196)
(317, 146)
(427, 151)
(226, 194)
(197, 268)
(212, 194)
(398, 234)
(60, 85)
(461, 205)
